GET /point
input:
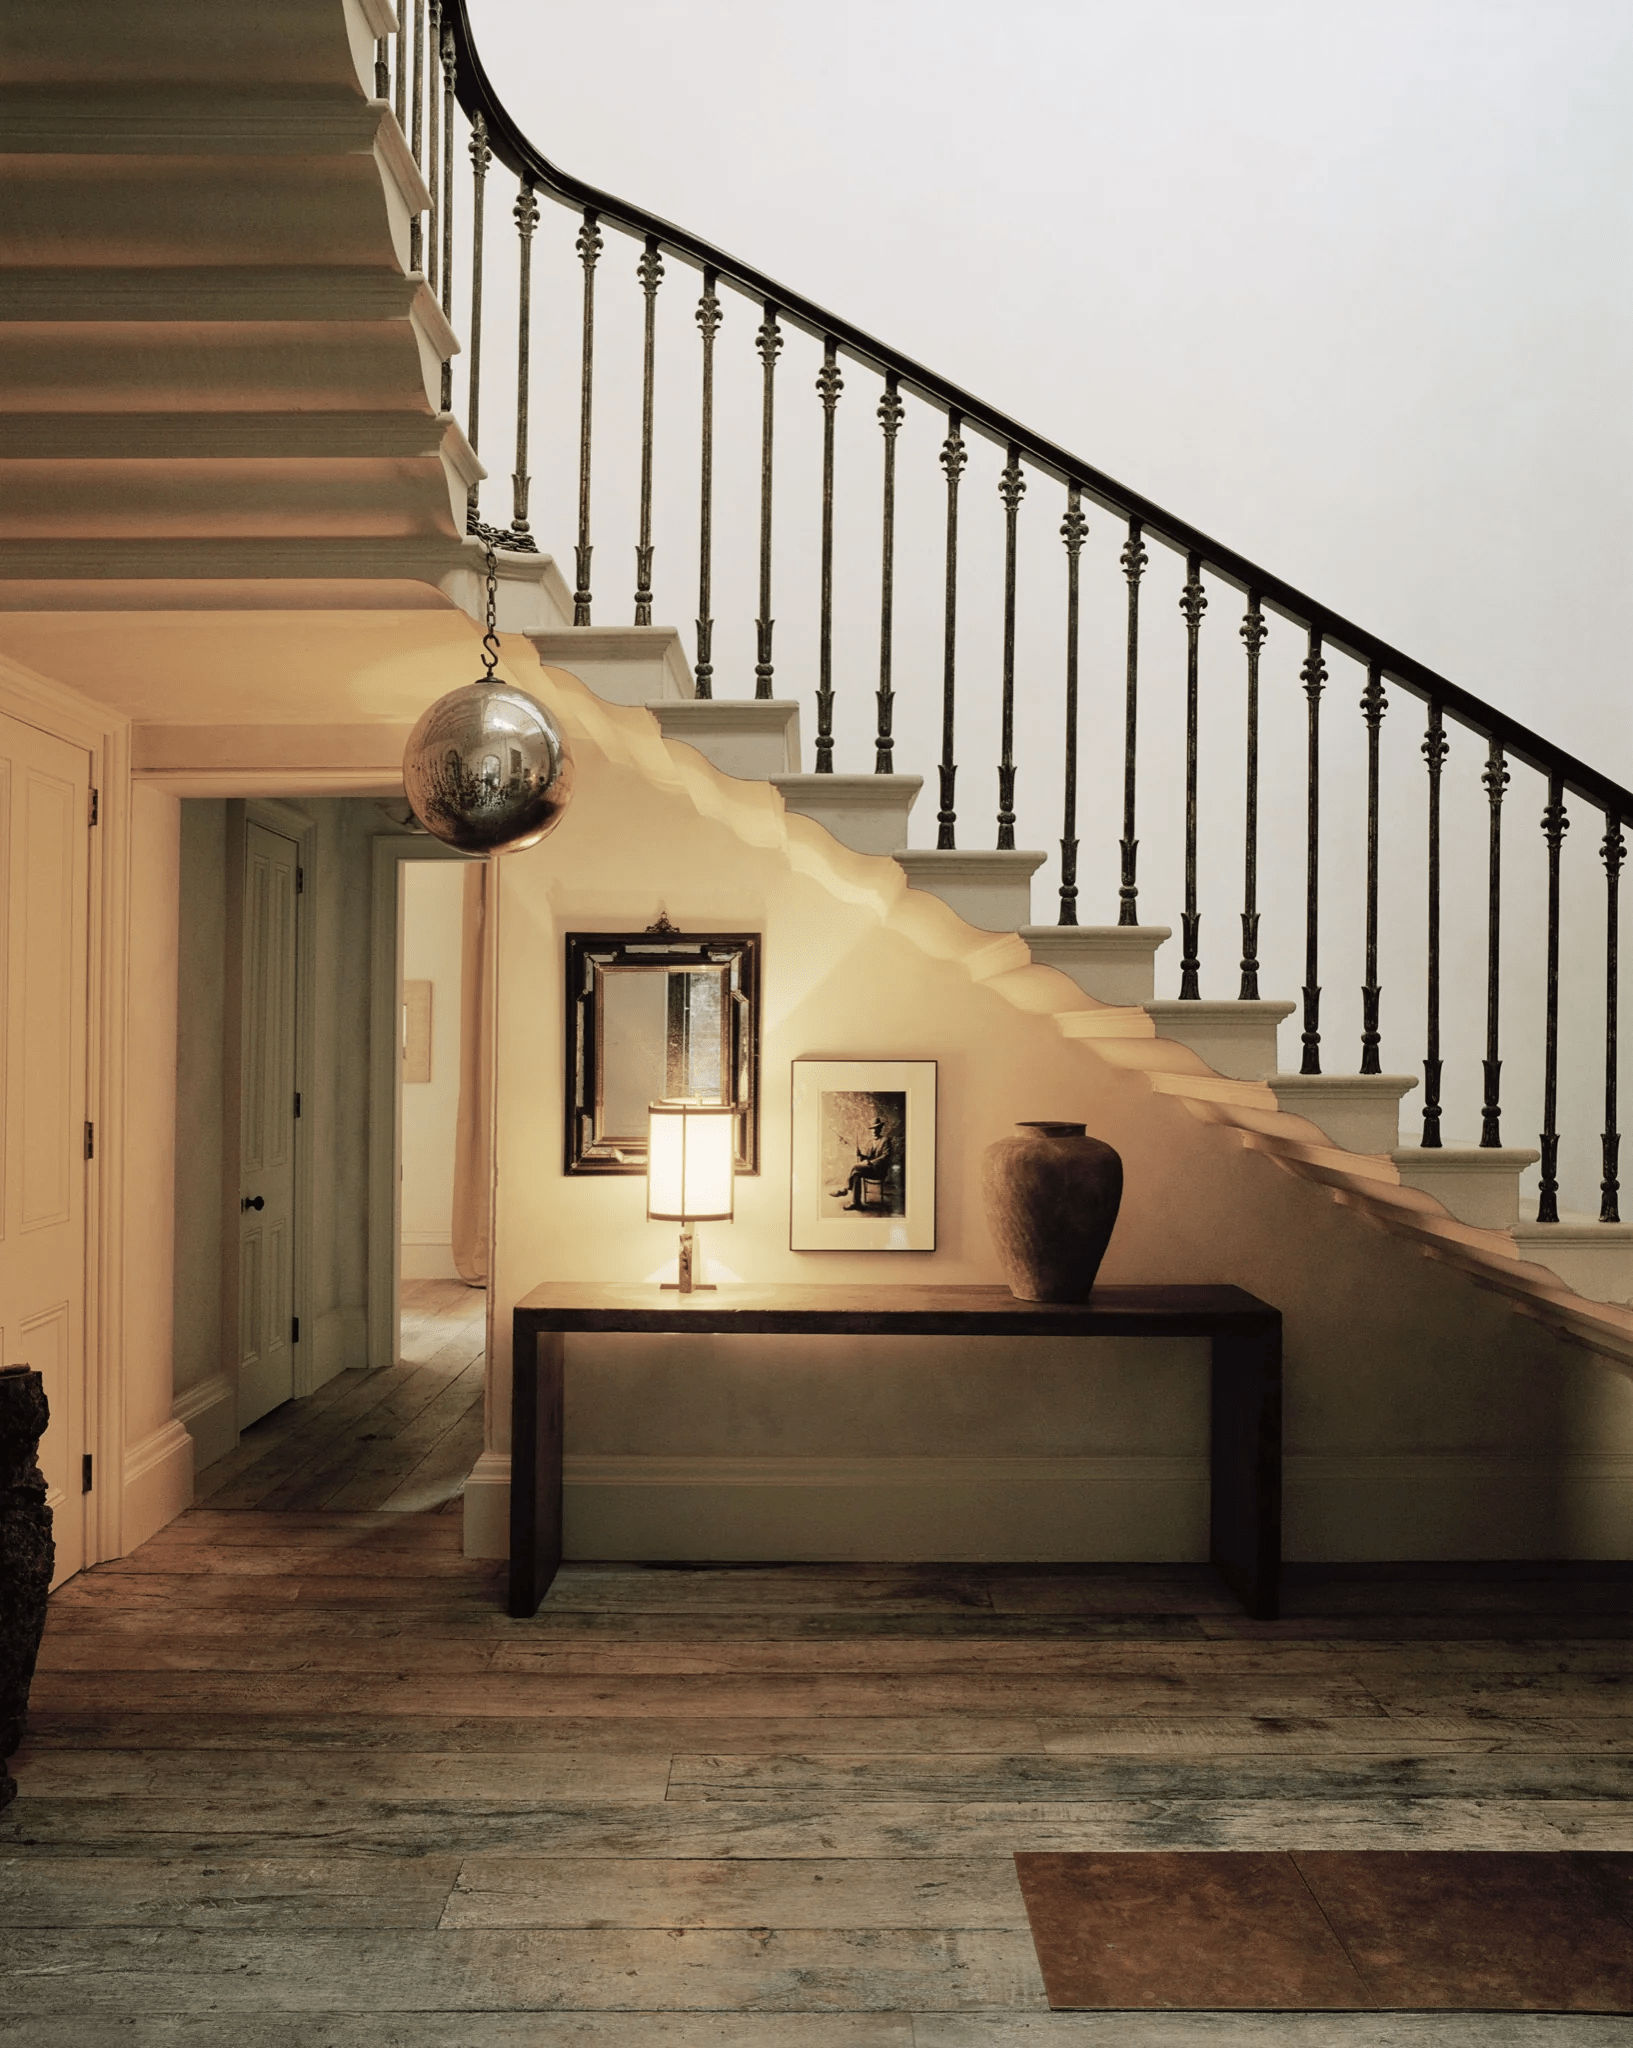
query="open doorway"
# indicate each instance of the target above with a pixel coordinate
(441, 1248)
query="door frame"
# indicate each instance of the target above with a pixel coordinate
(289, 823)
(35, 700)
(385, 1082)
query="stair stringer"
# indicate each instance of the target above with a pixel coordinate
(1398, 1318)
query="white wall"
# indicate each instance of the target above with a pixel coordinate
(433, 894)
(1424, 1417)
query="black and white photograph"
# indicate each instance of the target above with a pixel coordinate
(863, 1155)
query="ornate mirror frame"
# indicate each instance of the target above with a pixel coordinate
(590, 957)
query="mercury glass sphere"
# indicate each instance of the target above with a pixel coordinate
(487, 770)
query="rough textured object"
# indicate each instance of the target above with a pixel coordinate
(27, 1554)
(1052, 1195)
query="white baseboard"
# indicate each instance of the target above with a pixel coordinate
(209, 1414)
(340, 1339)
(1063, 1510)
(426, 1256)
(158, 1483)
(1350, 1509)
(487, 1506)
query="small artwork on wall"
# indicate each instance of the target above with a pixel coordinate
(864, 1156)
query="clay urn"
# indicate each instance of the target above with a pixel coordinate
(1052, 1194)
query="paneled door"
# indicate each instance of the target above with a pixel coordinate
(266, 1153)
(44, 1138)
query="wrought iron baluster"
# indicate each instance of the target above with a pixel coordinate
(400, 64)
(1073, 528)
(1253, 631)
(890, 414)
(1554, 826)
(1435, 750)
(448, 203)
(527, 219)
(650, 271)
(1193, 603)
(382, 69)
(954, 455)
(768, 340)
(829, 384)
(1313, 675)
(1612, 851)
(1011, 488)
(433, 124)
(1373, 706)
(481, 157)
(708, 321)
(1134, 559)
(1495, 777)
(589, 246)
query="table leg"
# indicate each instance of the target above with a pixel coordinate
(1245, 1461)
(535, 1466)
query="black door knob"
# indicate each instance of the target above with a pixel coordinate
(253, 1202)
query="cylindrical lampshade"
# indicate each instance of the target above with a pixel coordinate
(691, 1151)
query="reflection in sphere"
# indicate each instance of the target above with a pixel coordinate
(486, 769)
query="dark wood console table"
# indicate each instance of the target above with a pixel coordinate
(1245, 1456)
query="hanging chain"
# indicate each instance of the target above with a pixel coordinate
(490, 537)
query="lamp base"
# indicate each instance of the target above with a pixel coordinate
(685, 1284)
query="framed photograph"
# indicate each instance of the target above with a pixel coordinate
(864, 1156)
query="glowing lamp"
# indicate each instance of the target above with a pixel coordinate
(690, 1160)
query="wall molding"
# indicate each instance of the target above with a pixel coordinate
(209, 1414)
(157, 1477)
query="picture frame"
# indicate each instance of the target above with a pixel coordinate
(848, 1116)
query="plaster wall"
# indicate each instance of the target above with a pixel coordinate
(433, 896)
(1424, 1418)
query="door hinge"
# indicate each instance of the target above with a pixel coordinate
(300, 881)
(85, 1473)
(294, 1329)
(96, 804)
(90, 1141)
(297, 1102)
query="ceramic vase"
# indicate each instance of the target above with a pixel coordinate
(26, 1553)
(1052, 1194)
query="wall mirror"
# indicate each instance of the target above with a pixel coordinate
(653, 1014)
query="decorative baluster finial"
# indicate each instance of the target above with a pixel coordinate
(481, 157)
(768, 341)
(1435, 749)
(1495, 777)
(1193, 603)
(1073, 528)
(1555, 823)
(1011, 489)
(1134, 559)
(589, 246)
(708, 318)
(890, 412)
(1253, 631)
(829, 384)
(954, 456)
(1373, 706)
(1313, 675)
(526, 213)
(650, 272)
(1612, 851)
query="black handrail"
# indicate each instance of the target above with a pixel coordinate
(476, 95)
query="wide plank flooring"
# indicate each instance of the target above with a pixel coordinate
(295, 1780)
(402, 1439)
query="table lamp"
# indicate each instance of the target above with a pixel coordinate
(690, 1161)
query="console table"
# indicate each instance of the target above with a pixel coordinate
(1245, 1452)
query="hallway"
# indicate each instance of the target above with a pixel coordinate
(295, 1780)
(400, 1440)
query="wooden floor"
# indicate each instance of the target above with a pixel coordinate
(295, 1781)
(401, 1440)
